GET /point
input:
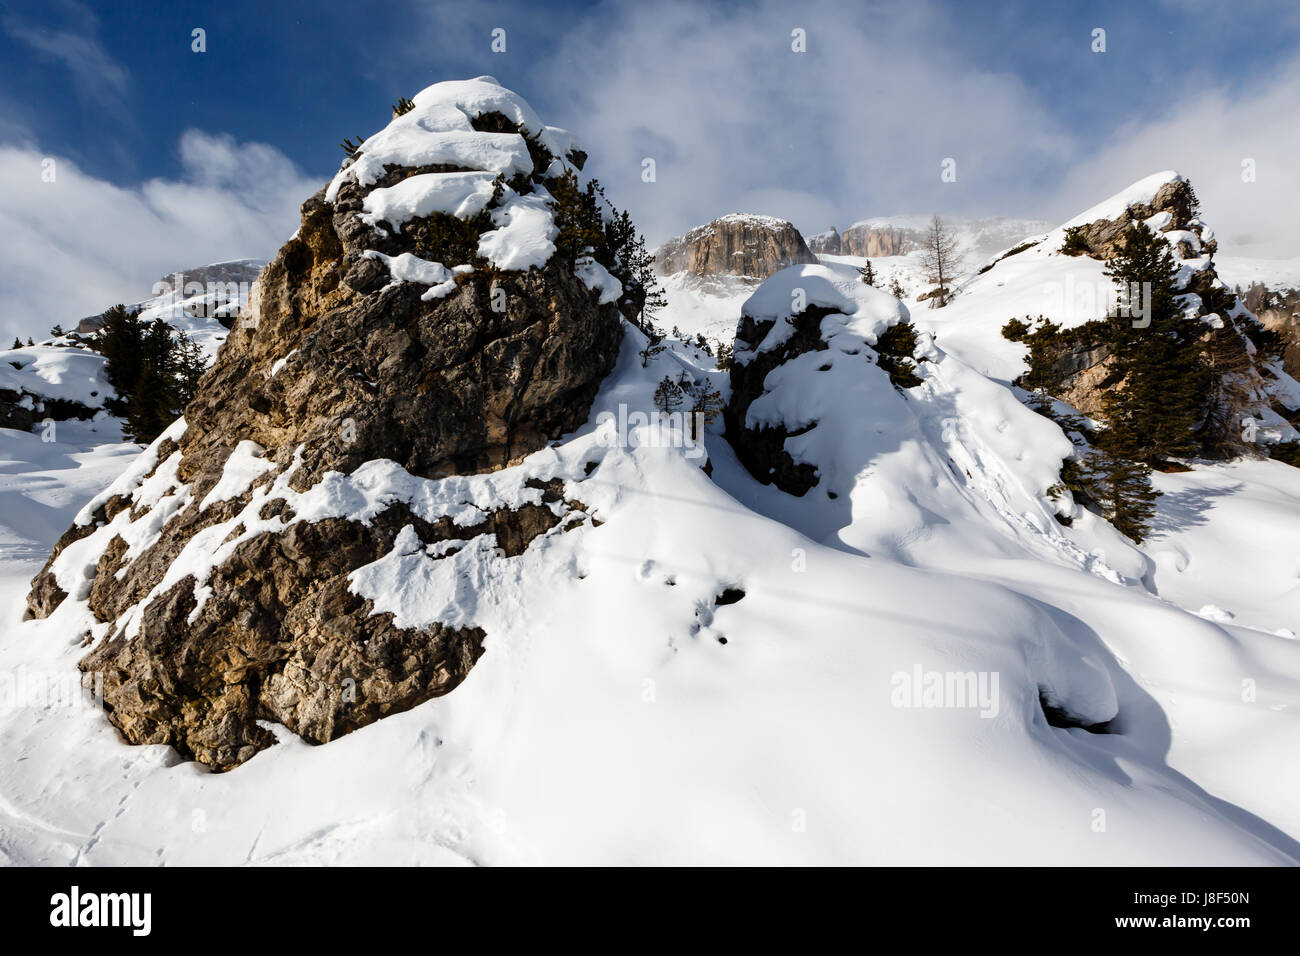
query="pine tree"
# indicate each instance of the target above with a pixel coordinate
(18, 343)
(1123, 489)
(578, 220)
(668, 396)
(896, 288)
(150, 408)
(634, 268)
(725, 358)
(1151, 415)
(189, 368)
(705, 409)
(121, 342)
(867, 273)
(653, 347)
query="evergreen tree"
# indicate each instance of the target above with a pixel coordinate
(867, 273)
(705, 409)
(668, 396)
(190, 366)
(578, 219)
(896, 288)
(121, 341)
(150, 406)
(634, 268)
(895, 346)
(724, 354)
(1151, 415)
(18, 343)
(1123, 489)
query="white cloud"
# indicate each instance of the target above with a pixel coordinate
(77, 245)
(1206, 135)
(858, 125)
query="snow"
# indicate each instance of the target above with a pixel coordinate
(525, 233)
(68, 373)
(438, 131)
(1142, 191)
(244, 466)
(597, 278)
(1245, 271)
(455, 194)
(609, 723)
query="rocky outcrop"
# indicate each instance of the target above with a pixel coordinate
(1279, 311)
(1245, 385)
(874, 241)
(351, 419)
(826, 243)
(1100, 238)
(806, 338)
(741, 245)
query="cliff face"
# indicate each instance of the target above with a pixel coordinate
(742, 245)
(221, 570)
(874, 241)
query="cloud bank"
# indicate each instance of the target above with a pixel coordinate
(76, 245)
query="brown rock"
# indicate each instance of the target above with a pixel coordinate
(742, 245)
(335, 365)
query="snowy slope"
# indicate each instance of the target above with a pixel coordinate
(65, 373)
(608, 721)
(713, 671)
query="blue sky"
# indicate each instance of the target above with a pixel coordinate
(856, 126)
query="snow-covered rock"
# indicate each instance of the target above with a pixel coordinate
(226, 574)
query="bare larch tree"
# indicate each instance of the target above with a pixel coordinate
(939, 257)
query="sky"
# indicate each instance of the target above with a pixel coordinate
(164, 156)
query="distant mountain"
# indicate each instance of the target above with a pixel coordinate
(898, 235)
(735, 245)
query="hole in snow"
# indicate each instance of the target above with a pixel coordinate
(1058, 716)
(729, 595)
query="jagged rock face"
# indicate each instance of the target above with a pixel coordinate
(826, 243)
(1279, 310)
(371, 371)
(874, 241)
(223, 571)
(741, 245)
(1102, 237)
